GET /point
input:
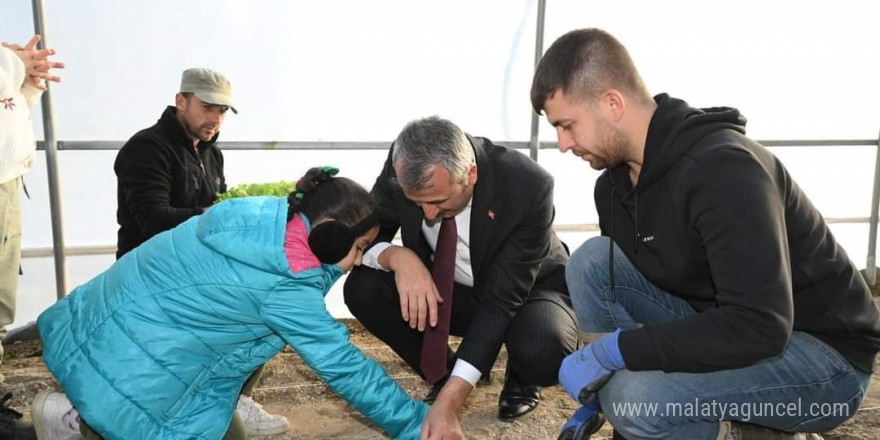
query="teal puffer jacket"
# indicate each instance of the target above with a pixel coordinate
(159, 345)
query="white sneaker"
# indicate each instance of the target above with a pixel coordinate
(54, 417)
(256, 420)
(729, 430)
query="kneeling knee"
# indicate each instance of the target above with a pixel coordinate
(536, 369)
(360, 289)
(634, 406)
(589, 262)
(588, 281)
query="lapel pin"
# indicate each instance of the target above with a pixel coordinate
(491, 215)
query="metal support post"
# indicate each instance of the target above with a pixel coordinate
(539, 50)
(871, 268)
(52, 164)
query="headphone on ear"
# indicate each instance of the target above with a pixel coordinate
(331, 241)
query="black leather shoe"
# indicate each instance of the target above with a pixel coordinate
(435, 390)
(10, 427)
(516, 399)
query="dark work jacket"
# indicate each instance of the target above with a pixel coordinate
(514, 251)
(162, 180)
(716, 220)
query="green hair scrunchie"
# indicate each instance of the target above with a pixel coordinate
(331, 170)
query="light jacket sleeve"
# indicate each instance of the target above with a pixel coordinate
(12, 78)
(31, 94)
(11, 73)
(298, 313)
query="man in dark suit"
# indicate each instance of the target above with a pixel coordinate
(509, 283)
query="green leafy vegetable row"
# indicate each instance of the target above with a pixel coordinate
(281, 188)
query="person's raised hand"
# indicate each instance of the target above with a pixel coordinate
(38, 66)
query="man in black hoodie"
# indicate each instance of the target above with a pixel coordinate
(173, 170)
(730, 305)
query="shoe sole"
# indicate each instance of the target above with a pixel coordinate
(268, 431)
(37, 414)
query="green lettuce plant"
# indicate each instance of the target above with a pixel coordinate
(282, 188)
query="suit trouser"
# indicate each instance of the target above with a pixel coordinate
(541, 334)
(236, 431)
(10, 252)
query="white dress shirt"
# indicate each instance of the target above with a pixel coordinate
(464, 273)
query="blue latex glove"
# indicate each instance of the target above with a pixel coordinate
(587, 370)
(585, 421)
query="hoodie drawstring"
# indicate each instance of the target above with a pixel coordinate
(611, 245)
(638, 236)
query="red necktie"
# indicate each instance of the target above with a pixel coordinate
(434, 342)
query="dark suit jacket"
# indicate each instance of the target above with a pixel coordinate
(513, 247)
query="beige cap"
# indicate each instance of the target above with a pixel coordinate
(209, 86)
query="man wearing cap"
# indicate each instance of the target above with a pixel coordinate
(172, 171)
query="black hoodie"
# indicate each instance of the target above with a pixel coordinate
(162, 180)
(716, 220)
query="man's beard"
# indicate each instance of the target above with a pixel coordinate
(616, 145)
(196, 132)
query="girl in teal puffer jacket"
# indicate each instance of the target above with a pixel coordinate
(159, 345)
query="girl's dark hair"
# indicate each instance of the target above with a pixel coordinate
(319, 195)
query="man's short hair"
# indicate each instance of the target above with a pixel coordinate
(431, 141)
(583, 64)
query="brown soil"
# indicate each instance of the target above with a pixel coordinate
(290, 388)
